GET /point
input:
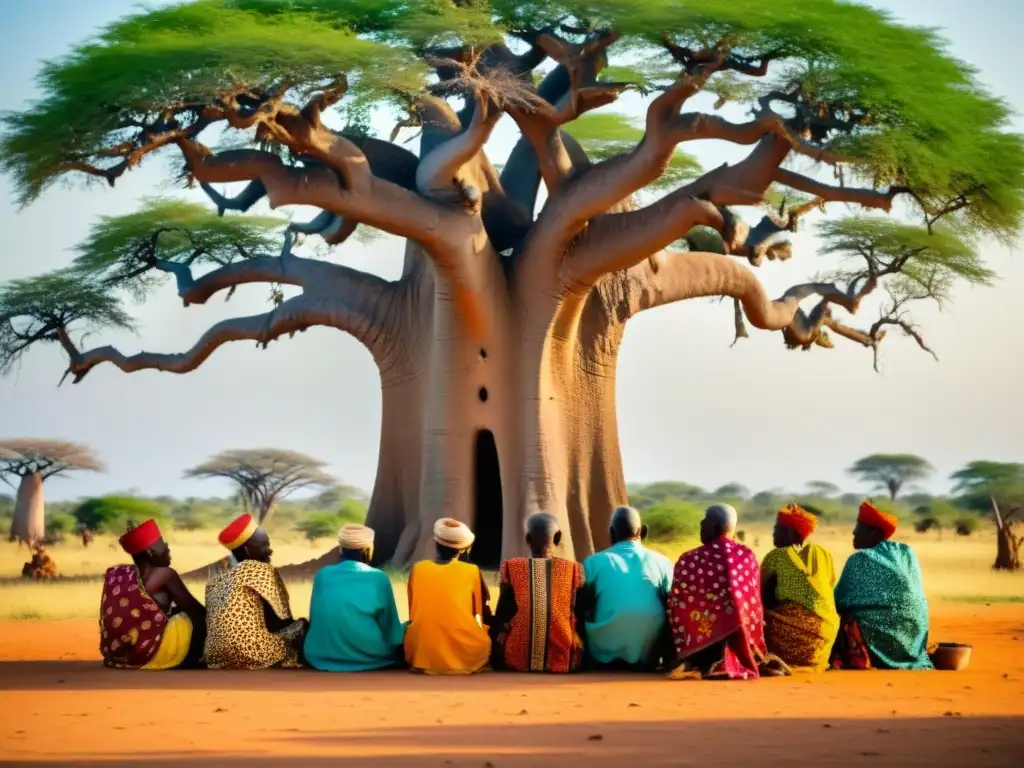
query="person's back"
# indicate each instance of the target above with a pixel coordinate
(541, 630)
(807, 576)
(881, 589)
(445, 635)
(353, 621)
(629, 585)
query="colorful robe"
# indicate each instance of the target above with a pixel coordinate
(353, 620)
(237, 634)
(630, 585)
(537, 632)
(715, 607)
(883, 610)
(131, 623)
(802, 626)
(445, 634)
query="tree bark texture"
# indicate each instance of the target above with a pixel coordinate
(29, 523)
(1007, 548)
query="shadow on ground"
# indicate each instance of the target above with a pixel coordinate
(941, 741)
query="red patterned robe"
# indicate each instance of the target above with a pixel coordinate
(131, 623)
(715, 610)
(540, 632)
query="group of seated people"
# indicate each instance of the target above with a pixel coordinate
(716, 614)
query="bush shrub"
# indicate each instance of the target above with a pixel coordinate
(61, 524)
(673, 519)
(110, 514)
(321, 525)
(966, 525)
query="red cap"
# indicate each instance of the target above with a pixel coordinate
(239, 531)
(869, 514)
(140, 538)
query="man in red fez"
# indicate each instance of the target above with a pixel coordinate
(148, 617)
(250, 623)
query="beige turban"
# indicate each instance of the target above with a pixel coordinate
(452, 533)
(355, 536)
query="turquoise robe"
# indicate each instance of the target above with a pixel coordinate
(882, 590)
(353, 620)
(629, 585)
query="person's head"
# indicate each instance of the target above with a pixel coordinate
(355, 542)
(146, 545)
(256, 548)
(542, 534)
(452, 538)
(793, 526)
(626, 525)
(873, 526)
(719, 520)
(246, 540)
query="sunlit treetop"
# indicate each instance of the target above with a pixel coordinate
(886, 102)
(41, 309)
(127, 251)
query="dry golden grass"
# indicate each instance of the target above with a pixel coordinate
(955, 569)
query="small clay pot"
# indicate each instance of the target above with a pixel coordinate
(951, 657)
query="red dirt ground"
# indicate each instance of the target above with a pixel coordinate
(59, 705)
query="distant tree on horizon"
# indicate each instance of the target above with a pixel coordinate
(890, 471)
(265, 476)
(823, 488)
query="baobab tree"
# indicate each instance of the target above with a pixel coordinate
(265, 476)
(31, 461)
(497, 346)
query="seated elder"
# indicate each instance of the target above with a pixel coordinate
(534, 627)
(148, 618)
(797, 579)
(627, 586)
(249, 619)
(715, 608)
(353, 619)
(880, 598)
(448, 607)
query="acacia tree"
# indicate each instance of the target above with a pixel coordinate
(497, 346)
(32, 461)
(265, 476)
(996, 487)
(891, 471)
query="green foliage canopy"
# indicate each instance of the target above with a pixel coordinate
(890, 96)
(978, 482)
(109, 514)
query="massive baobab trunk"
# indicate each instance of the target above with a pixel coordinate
(516, 419)
(29, 523)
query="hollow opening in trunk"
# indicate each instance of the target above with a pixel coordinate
(487, 509)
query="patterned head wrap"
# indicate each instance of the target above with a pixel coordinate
(869, 514)
(798, 519)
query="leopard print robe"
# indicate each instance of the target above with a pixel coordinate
(237, 635)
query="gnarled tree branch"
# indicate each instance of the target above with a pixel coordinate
(868, 198)
(345, 310)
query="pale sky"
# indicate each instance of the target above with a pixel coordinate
(690, 408)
